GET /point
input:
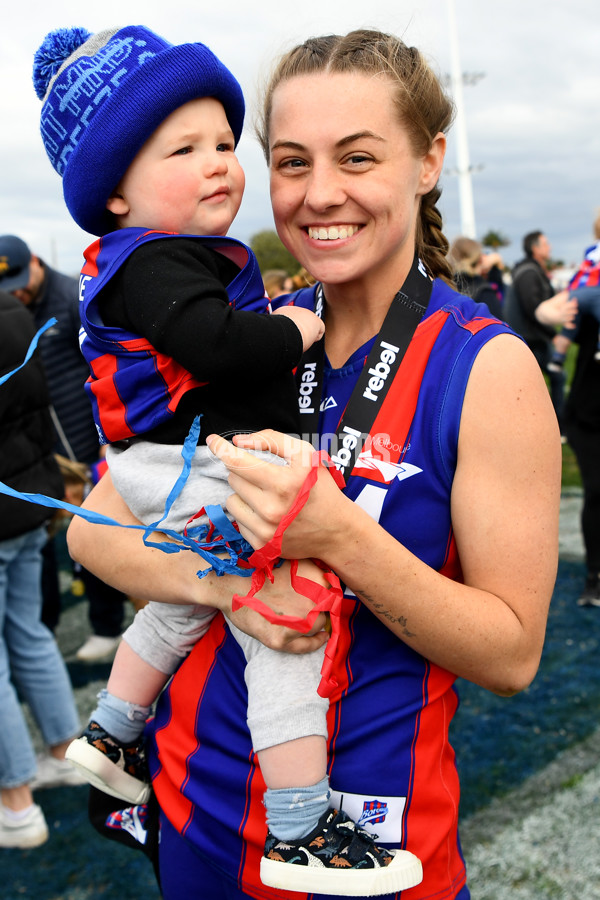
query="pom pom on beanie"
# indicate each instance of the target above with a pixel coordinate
(53, 52)
(105, 94)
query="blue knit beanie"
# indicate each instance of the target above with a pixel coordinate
(105, 94)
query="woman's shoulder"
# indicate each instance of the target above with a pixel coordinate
(450, 299)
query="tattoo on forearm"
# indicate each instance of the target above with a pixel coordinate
(384, 613)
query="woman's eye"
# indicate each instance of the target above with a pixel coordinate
(291, 164)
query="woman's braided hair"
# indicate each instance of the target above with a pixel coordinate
(423, 107)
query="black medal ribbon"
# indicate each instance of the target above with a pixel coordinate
(404, 314)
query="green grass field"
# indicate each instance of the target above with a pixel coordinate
(570, 470)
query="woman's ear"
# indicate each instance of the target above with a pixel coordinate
(432, 164)
(116, 204)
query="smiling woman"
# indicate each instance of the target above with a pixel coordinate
(444, 535)
(321, 166)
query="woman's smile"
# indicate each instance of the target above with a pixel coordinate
(331, 232)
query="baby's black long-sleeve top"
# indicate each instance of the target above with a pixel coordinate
(172, 292)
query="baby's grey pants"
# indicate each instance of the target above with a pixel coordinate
(283, 703)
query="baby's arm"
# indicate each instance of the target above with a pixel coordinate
(310, 326)
(178, 302)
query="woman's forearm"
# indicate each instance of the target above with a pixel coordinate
(119, 557)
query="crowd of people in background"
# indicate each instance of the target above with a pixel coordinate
(549, 320)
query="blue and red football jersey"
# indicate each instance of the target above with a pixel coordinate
(134, 388)
(391, 763)
(588, 273)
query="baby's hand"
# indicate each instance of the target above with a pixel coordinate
(310, 325)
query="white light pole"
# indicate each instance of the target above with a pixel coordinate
(467, 209)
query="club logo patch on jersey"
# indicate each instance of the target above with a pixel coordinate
(382, 816)
(132, 819)
(374, 812)
(377, 469)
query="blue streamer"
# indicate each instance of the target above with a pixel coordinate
(229, 540)
(31, 350)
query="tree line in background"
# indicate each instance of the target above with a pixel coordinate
(271, 254)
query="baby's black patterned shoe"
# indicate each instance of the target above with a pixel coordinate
(338, 858)
(117, 769)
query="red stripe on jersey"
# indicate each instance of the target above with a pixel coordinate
(253, 830)
(178, 379)
(342, 674)
(397, 410)
(434, 775)
(113, 415)
(177, 739)
(451, 567)
(588, 275)
(476, 325)
(90, 255)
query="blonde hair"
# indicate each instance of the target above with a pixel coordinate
(302, 278)
(465, 255)
(597, 226)
(273, 280)
(423, 108)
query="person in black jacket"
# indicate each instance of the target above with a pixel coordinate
(531, 286)
(47, 293)
(582, 423)
(30, 661)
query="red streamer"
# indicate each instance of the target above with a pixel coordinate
(325, 600)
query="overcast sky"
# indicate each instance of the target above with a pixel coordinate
(532, 120)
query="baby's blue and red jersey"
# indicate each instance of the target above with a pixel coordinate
(391, 763)
(588, 273)
(133, 387)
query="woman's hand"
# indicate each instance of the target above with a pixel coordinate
(264, 493)
(282, 599)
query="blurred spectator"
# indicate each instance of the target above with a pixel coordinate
(531, 286)
(584, 286)
(47, 293)
(30, 661)
(582, 421)
(274, 280)
(478, 274)
(301, 279)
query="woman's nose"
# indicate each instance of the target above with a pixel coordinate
(324, 189)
